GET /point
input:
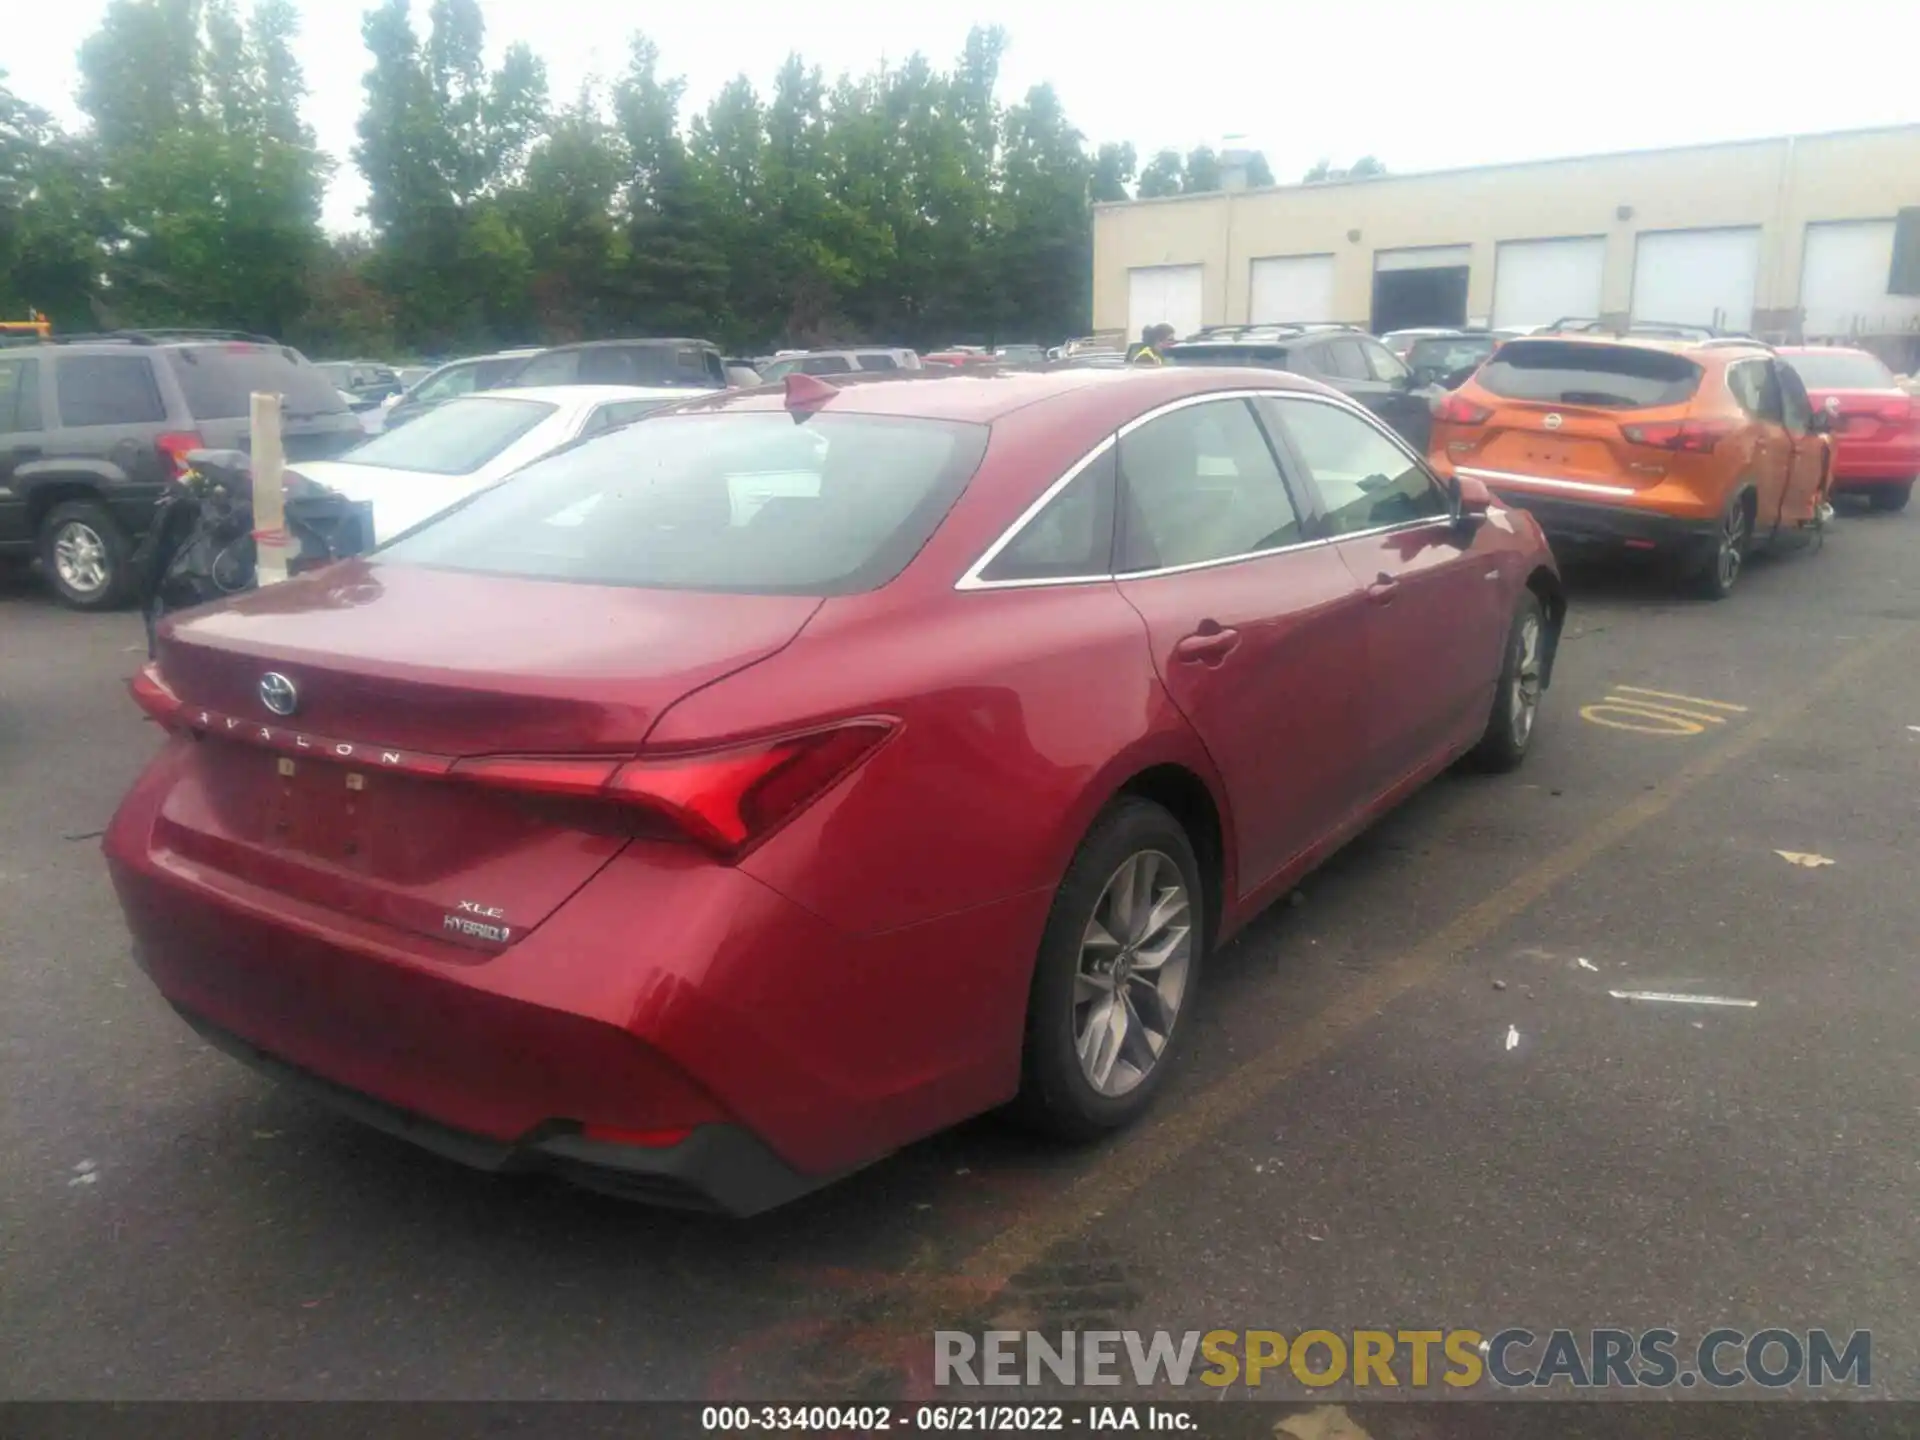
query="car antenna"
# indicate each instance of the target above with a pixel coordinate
(806, 393)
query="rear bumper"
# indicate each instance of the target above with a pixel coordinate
(1863, 464)
(1574, 525)
(716, 1167)
(668, 993)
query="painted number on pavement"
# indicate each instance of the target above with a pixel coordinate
(1658, 712)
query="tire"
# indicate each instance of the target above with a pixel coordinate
(86, 555)
(1716, 576)
(1138, 840)
(1890, 497)
(1516, 699)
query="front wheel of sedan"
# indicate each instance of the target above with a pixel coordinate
(1118, 965)
(1516, 700)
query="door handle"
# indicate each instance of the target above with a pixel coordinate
(1207, 647)
(1383, 589)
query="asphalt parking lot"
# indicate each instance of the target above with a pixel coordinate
(1413, 1101)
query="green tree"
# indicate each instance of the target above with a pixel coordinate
(1165, 174)
(212, 185)
(1321, 170)
(1043, 246)
(442, 140)
(1113, 171)
(564, 211)
(1202, 171)
(50, 217)
(1365, 167)
(1259, 172)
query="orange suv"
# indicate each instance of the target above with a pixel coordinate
(1701, 449)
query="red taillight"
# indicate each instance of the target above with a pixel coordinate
(661, 1139)
(151, 694)
(725, 800)
(1694, 437)
(1458, 410)
(175, 445)
(1902, 411)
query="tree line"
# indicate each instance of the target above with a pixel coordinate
(906, 205)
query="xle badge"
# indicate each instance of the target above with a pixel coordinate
(471, 918)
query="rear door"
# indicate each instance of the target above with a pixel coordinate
(1256, 633)
(1399, 404)
(22, 440)
(109, 415)
(1434, 637)
(1755, 386)
(1812, 463)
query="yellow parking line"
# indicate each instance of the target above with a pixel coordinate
(1168, 1138)
(1689, 699)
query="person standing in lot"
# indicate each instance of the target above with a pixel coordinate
(1154, 340)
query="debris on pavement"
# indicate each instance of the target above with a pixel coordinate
(1795, 857)
(1499, 984)
(1586, 964)
(1663, 997)
(1513, 1036)
(85, 1173)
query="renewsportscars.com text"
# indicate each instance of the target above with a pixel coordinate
(1406, 1359)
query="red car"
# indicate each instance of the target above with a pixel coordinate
(726, 801)
(1876, 424)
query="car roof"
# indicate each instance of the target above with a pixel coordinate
(587, 394)
(643, 340)
(1735, 347)
(985, 395)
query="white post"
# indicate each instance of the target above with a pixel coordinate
(270, 539)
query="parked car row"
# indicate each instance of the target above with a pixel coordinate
(1051, 680)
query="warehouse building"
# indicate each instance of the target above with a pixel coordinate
(1796, 237)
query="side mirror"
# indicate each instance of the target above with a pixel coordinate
(1471, 499)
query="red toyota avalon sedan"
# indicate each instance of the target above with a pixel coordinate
(1876, 424)
(715, 806)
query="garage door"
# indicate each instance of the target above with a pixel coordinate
(1163, 293)
(1536, 282)
(1697, 277)
(1291, 287)
(1843, 282)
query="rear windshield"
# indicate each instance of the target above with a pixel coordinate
(748, 503)
(1273, 357)
(456, 438)
(1843, 370)
(219, 380)
(1624, 377)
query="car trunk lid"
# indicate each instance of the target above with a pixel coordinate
(354, 801)
(1870, 414)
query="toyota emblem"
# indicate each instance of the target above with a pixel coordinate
(1553, 421)
(277, 693)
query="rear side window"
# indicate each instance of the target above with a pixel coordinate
(107, 390)
(20, 395)
(1200, 483)
(1386, 366)
(619, 365)
(878, 360)
(740, 502)
(1842, 370)
(1345, 359)
(1366, 481)
(1757, 389)
(1623, 377)
(219, 381)
(825, 365)
(455, 439)
(620, 412)
(1071, 538)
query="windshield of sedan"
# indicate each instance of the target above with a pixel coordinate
(747, 503)
(456, 439)
(1842, 370)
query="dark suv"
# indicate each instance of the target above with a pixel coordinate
(92, 428)
(1351, 361)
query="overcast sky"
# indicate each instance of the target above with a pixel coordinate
(1420, 85)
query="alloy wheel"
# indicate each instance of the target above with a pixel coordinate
(80, 558)
(1733, 545)
(1132, 974)
(1524, 702)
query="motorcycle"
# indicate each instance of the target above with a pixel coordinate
(200, 546)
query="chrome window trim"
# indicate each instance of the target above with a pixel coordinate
(971, 579)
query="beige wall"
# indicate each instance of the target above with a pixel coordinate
(1780, 185)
